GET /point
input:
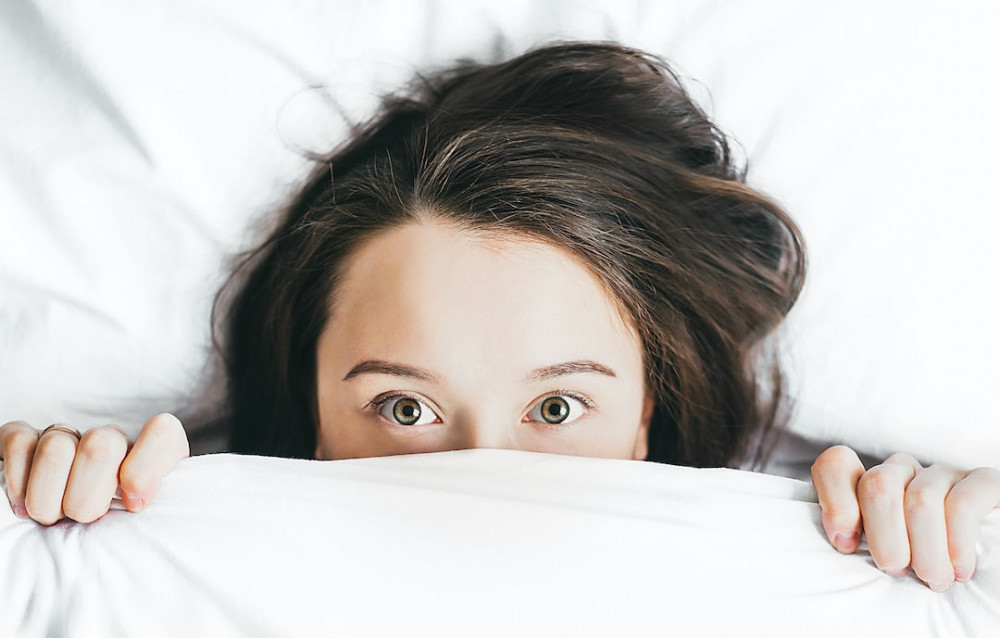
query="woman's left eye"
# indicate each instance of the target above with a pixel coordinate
(558, 409)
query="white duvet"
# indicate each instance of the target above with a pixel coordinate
(469, 543)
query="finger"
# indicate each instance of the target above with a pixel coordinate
(93, 478)
(50, 468)
(880, 494)
(17, 447)
(161, 444)
(923, 506)
(835, 475)
(968, 502)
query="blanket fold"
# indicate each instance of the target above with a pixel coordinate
(473, 542)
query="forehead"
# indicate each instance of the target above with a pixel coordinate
(431, 290)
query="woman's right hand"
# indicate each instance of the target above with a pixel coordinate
(55, 476)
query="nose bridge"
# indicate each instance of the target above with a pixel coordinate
(485, 429)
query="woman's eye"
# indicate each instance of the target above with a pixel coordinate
(557, 409)
(406, 411)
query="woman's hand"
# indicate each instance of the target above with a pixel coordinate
(912, 516)
(54, 476)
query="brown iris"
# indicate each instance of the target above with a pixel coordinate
(555, 410)
(406, 411)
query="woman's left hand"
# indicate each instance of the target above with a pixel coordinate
(926, 518)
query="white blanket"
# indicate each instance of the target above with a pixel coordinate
(470, 543)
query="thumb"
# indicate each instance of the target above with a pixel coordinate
(161, 445)
(835, 475)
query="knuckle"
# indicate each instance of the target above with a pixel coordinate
(903, 459)
(989, 474)
(73, 511)
(162, 424)
(57, 449)
(40, 513)
(155, 437)
(891, 563)
(102, 445)
(167, 431)
(133, 478)
(918, 502)
(16, 425)
(878, 486)
(932, 572)
(81, 513)
(891, 559)
(960, 504)
(832, 458)
(20, 443)
(943, 468)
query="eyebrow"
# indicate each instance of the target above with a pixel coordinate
(570, 367)
(376, 366)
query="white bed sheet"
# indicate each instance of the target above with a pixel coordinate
(475, 542)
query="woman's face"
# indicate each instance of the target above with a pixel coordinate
(444, 339)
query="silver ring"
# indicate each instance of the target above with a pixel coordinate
(61, 428)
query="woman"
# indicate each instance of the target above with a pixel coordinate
(556, 253)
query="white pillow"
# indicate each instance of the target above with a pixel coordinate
(138, 145)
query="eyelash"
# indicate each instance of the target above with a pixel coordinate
(382, 399)
(569, 393)
(376, 405)
(587, 403)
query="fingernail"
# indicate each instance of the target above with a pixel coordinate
(21, 511)
(132, 501)
(939, 586)
(896, 573)
(846, 541)
(963, 574)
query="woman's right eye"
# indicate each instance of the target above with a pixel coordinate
(404, 410)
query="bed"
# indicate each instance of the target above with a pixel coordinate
(142, 144)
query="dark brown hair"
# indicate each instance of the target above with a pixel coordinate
(592, 147)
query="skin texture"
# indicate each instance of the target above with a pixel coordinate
(470, 326)
(54, 476)
(912, 516)
(481, 316)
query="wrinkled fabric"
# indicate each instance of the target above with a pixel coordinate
(473, 542)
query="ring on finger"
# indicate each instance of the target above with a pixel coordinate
(61, 428)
